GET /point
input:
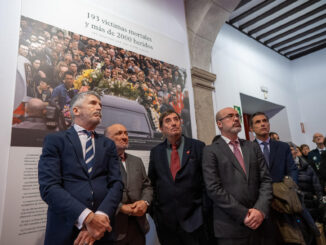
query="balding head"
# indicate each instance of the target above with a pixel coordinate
(35, 108)
(318, 138)
(228, 121)
(119, 134)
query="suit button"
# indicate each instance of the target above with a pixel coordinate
(92, 203)
(92, 192)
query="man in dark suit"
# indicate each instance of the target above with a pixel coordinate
(314, 155)
(79, 178)
(131, 224)
(277, 153)
(280, 164)
(237, 181)
(175, 172)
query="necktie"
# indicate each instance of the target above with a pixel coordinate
(266, 152)
(122, 157)
(175, 161)
(238, 155)
(89, 151)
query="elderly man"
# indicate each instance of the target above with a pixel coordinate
(79, 177)
(131, 224)
(35, 109)
(175, 172)
(237, 181)
(314, 155)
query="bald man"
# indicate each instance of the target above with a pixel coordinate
(131, 224)
(35, 109)
(237, 181)
(314, 155)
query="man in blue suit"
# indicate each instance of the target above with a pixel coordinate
(80, 179)
(280, 164)
(175, 170)
(277, 153)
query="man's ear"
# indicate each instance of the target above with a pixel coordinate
(75, 110)
(219, 124)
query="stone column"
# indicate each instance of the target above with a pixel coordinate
(204, 20)
(203, 86)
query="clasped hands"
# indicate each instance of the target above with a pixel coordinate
(254, 218)
(137, 208)
(95, 225)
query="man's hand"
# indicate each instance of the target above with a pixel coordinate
(84, 237)
(139, 208)
(126, 209)
(254, 218)
(97, 224)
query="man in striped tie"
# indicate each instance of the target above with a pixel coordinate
(79, 177)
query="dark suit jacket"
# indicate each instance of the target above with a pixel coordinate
(231, 190)
(68, 189)
(281, 162)
(179, 201)
(314, 159)
(137, 186)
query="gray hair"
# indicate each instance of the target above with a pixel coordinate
(78, 99)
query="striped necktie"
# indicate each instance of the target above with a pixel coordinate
(89, 151)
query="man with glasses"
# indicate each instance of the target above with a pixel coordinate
(237, 181)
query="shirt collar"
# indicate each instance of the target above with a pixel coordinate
(169, 145)
(260, 141)
(227, 140)
(80, 129)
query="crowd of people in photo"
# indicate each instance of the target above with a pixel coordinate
(54, 58)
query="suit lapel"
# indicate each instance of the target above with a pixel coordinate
(125, 171)
(75, 141)
(273, 149)
(228, 152)
(164, 159)
(186, 151)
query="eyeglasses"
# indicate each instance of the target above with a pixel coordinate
(231, 116)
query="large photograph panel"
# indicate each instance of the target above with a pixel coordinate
(54, 64)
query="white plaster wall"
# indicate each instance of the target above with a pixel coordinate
(242, 66)
(309, 75)
(166, 17)
(9, 26)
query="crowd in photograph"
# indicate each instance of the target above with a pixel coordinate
(58, 64)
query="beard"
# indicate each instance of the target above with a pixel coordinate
(235, 129)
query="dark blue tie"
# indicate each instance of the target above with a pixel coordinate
(266, 152)
(89, 151)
